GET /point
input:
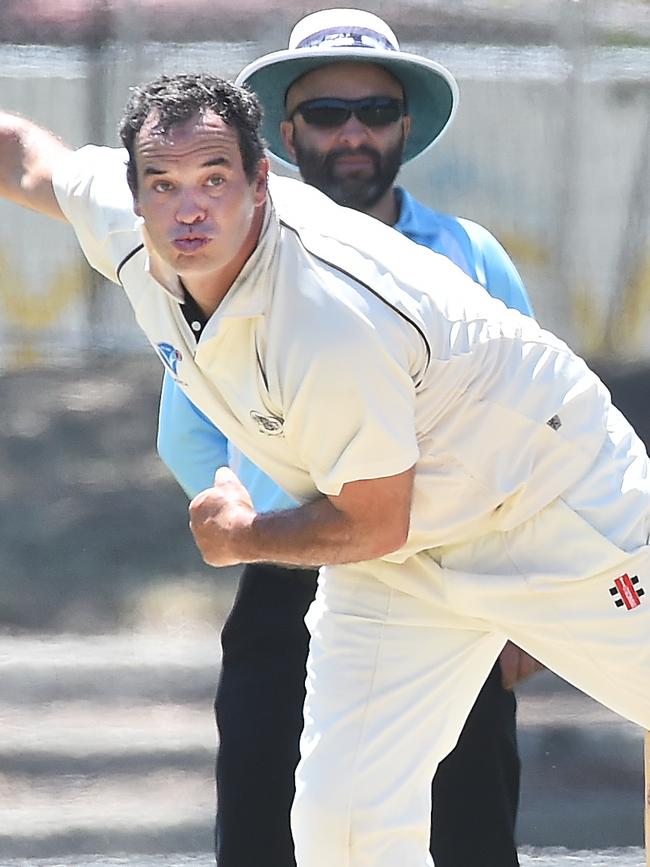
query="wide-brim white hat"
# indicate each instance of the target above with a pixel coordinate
(351, 35)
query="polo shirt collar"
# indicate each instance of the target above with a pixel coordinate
(248, 295)
(157, 268)
(407, 222)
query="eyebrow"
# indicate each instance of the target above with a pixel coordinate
(216, 161)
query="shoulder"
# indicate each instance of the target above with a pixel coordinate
(305, 209)
(426, 219)
(467, 230)
(496, 270)
(91, 188)
(99, 172)
(412, 208)
(290, 197)
(440, 232)
(482, 240)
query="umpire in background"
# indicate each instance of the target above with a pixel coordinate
(346, 106)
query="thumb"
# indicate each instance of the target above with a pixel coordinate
(224, 475)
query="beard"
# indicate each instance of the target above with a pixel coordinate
(355, 189)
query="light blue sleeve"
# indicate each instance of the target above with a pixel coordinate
(266, 495)
(193, 449)
(495, 270)
(188, 443)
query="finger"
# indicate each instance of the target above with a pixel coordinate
(224, 475)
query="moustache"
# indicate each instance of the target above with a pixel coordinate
(363, 150)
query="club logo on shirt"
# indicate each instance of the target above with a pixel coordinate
(626, 592)
(170, 356)
(270, 425)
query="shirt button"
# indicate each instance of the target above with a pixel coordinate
(196, 326)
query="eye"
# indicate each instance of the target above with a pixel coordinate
(215, 181)
(162, 186)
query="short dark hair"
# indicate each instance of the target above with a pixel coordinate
(177, 98)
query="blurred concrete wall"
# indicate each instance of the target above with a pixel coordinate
(550, 150)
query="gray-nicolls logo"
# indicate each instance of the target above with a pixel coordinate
(270, 425)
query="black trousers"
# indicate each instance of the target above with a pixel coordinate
(259, 718)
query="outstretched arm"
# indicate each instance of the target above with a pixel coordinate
(28, 154)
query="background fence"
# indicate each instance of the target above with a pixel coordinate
(550, 148)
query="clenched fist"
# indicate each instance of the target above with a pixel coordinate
(219, 518)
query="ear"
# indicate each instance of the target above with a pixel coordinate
(287, 131)
(406, 125)
(133, 186)
(261, 181)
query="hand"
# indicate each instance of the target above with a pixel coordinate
(516, 665)
(217, 517)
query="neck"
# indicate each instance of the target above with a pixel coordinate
(386, 208)
(209, 290)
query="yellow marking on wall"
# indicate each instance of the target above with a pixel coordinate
(589, 320)
(525, 250)
(628, 326)
(621, 329)
(35, 312)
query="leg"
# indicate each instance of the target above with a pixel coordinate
(390, 680)
(552, 587)
(259, 715)
(579, 632)
(476, 787)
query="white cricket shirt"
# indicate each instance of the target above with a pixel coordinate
(344, 351)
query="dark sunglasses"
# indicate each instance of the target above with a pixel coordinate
(329, 112)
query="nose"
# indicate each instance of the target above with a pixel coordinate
(353, 133)
(190, 209)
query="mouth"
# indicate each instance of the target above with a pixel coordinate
(354, 163)
(190, 243)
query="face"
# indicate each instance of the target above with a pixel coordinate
(201, 212)
(354, 164)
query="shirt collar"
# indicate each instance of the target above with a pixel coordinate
(407, 222)
(159, 269)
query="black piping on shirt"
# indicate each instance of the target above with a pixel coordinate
(369, 288)
(126, 259)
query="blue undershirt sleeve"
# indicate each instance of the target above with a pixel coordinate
(188, 443)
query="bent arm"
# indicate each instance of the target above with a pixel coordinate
(368, 519)
(28, 154)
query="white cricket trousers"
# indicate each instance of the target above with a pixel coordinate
(399, 652)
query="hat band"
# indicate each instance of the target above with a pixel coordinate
(352, 37)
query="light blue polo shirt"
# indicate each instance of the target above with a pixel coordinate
(194, 449)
